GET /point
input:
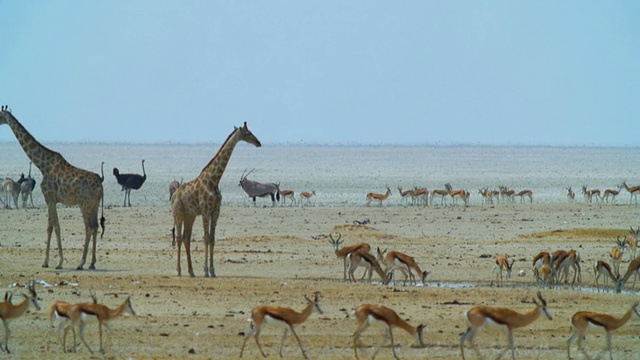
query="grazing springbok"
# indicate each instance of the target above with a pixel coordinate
(395, 260)
(566, 261)
(602, 268)
(346, 250)
(360, 257)
(633, 269)
(379, 197)
(283, 316)
(288, 194)
(502, 264)
(583, 320)
(307, 195)
(542, 270)
(255, 189)
(502, 318)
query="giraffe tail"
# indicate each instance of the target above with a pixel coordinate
(102, 219)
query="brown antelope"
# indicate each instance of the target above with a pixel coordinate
(288, 194)
(307, 196)
(455, 194)
(502, 264)
(634, 190)
(441, 193)
(91, 313)
(67, 315)
(504, 318)
(633, 269)
(487, 196)
(346, 250)
(565, 262)
(406, 194)
(506, 194)
(617, 252)
(601, 268)
(632, 243)
(359, 257)
(379, 197)
(403, 262)
(542, 270)
(583, 320)
(286, 317)
(367, 314)
(589, 194)
(528, 193)
(571, 195)
(421, 195)
(611, 193)
(9, 312)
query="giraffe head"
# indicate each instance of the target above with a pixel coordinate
(246, 135)
(5, 114)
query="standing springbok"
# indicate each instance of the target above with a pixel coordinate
(255, 189)
(9, 312)
(346, 250)
(307, 195)
(379, 197)
(288, 194)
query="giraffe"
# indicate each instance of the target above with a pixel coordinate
(61, 183)
(201, 196)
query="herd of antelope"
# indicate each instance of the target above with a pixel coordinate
(552, 268)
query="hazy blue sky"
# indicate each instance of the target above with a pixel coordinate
(410, 72)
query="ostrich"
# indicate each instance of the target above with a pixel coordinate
(26, 187)
(130, 182)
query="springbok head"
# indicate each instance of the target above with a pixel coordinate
(336, 242)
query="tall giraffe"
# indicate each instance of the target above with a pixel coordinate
(61, 183)
(201, 196)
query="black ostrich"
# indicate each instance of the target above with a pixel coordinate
(26, 187)
(130, 182)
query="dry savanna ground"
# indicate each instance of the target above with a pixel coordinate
(275, 256)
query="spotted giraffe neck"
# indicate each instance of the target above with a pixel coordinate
(40, 155)
(212, 173)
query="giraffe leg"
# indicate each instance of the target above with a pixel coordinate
(188, 227)
(206, 218)
(54, 225)
(212, 231)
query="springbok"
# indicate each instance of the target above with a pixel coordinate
(255, 189)
(405, 195)
(632, 243)
(346, 250)
(634, 190)
(307, 195)
(288, 194)
(379, 197)
(611, 193)
(571, 195)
